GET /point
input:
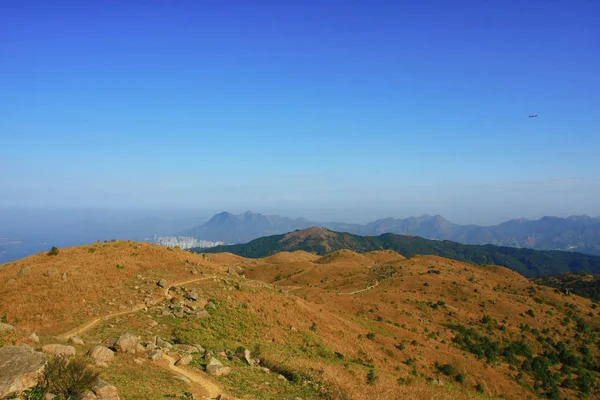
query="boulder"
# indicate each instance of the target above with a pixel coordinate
(101, 354)
(155, 355)
(246, 355)
(210, 306)
(76, 340)
(216, 368)
(110, 342)
(200, 348)
(163, 344)
(59, 350)
(19, 369)
(105, 391)
(185, 360)
(126, 343)
(34, 338)
(185, 348)
(24, 271)
(192, 295)
(52, 272)
(6, 328)
(202, 314)
(88, 395)
(162, 283)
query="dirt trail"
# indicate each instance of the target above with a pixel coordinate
(363, 290)
(88, 325)
(210, 389)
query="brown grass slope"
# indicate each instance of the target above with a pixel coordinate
(294, 311)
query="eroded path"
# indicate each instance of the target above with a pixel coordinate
(210, 390)
(363, 290)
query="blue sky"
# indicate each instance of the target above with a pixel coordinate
(345, 109)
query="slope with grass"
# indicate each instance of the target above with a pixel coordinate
(341, 326)
(582, 284)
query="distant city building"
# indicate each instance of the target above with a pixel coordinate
(184, 242)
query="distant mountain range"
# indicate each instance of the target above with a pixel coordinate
(322, 241)
(575, 233)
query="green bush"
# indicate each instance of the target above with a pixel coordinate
(446, 369)
(479, 388)
(53, 251)
(371, 377)
(460, 378)
(68, 379)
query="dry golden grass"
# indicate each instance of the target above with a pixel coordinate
(298, 316)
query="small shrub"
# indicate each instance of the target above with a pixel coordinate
(371, 377)
(530, 313)
(479, 388)
(53, 251)
(91, 250)
(313, 327)
(446, 369)
(371, 336)
(68, 379)
(460, 378)
(120, 267)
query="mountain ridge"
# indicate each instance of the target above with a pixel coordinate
(575, 233)
(321, 241)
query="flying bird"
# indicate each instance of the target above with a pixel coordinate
(533, 115)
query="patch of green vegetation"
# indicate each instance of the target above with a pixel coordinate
(53, 251)
(120, 267)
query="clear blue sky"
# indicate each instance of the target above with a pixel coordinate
(344, 109)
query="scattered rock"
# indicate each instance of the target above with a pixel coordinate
(210, 305)
(192, 295)
(163, 344)
(202, 314)
(19, 369)
(165, 313)
(127, 343)
(139, 348)
(179, 313)
(11, 281)
(76, 340)
(110, 342)
(246, 355)
(101, 354)
(185, 360)
(153, 323)
(52, 272)
(34, 338)
(435, 381)
(105, 390)
(265, 370)
(155, 355)
(200, 348)
(59, 350)
(182, 378)
(88, 395)
(50, 396)
(64, 276)
(4, 328)
(185, 348)
(24, 271)
(162, 283)
(216, 368)
(281, 378)
(139, 361)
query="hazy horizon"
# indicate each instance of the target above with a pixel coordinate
(327, 110)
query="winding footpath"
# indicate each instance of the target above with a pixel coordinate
(363, 290)
(211, 389)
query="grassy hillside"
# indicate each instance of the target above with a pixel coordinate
(321, 241)
(341, 326)
(582, 284)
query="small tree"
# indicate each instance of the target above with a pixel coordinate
(53, 251)
(68, 379)
(371, 377)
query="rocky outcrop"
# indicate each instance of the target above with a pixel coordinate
(185, 348)
(19, 369)
(127, 343)
(101, 355)
(6, 328)
(155, 355)
(163, 283)
(59, 350)
(184, 360)
(216, 368)
(105, 391)
(76, 340)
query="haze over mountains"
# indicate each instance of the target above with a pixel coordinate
(575, 233)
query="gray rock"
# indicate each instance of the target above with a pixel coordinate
(19, 369)
(24, 271)
(89, 395)
(192, 295)
(216, 368)
(200, 348)
(52, 272)
(155, 355)
(185, 348)
(163, 344)
(34, 338)
(127, 343)
(163, 283)
(76, 340)
(101, 354)
(59, 350)
(105, 390)
(211, 306)
(185, 360)
(202, 314)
